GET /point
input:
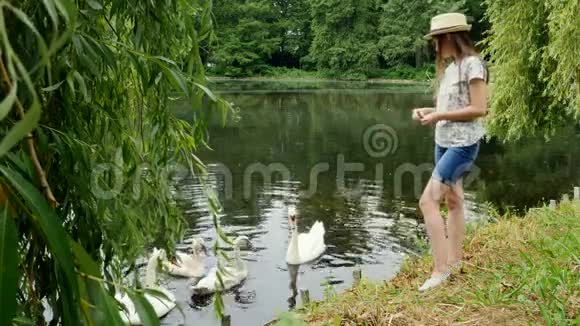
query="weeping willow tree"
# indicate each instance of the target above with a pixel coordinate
(89, 145)
(534, 47)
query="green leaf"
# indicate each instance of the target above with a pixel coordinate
(52, 88)
(220, 279)
(95, 4)
(21, 162)
(68, 9)
(144, 309)
(175, 78)
(21, 128)
(41, 43)
(218, 305)
(157, 294)
(206, 91)
(8, 102)
(82, 85)
(171, 62)
(104, 310)
(86, 61)
(23, 321)
(24, 18)
(8, 267)
(224, 236)
(90, 50)
(71, 83)
(47, 223)
(140, 68)
(49, 5)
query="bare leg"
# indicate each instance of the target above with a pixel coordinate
(455, 223)
(430, 201)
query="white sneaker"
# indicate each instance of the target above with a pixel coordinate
(434, 281)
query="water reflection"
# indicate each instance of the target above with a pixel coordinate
(293, 274)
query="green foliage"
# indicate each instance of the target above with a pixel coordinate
(248, 36)
(402, 72)
(534, 50)
(294, 23)
(408, 72)
(402, 38)
(403, 24)
(257, 34)
(339, 39)
(344, 36)
(283, 72)
(95, 81)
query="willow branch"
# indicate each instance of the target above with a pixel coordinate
(111, 26)
(29, 141)
(98, 279)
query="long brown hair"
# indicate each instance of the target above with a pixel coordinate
(462, 45)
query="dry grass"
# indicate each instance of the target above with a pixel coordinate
(518, 271)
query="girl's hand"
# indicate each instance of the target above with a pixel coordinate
(430, 118)
(418, 114)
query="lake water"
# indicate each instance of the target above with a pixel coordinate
(349, 155)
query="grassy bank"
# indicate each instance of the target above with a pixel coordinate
(518, 271)
(398, 74)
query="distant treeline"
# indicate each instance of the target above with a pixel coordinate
(341, 38)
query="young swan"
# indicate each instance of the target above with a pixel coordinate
(189, 265)
(232, 275)
(162, 305)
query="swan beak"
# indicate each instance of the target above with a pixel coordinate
(292, 221)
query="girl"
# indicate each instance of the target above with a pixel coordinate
(461, 103)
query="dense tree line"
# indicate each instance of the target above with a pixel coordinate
(339, 37)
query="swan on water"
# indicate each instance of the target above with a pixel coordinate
(304, 247)
(233, 274)
(161, 305)
(190, 265)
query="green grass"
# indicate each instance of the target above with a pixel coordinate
(518, 271)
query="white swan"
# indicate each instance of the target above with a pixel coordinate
(232, 274)
(304, 247)
(189, 265)
(161, 305)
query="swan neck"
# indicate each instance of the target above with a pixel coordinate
(237, 257)
(294, 241)
(151, 271)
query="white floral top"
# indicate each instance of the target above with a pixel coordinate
(454, 95)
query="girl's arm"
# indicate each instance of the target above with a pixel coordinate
(477, 108)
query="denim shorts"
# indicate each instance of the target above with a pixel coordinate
(452, 163)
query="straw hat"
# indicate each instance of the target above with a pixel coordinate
(448, 23)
